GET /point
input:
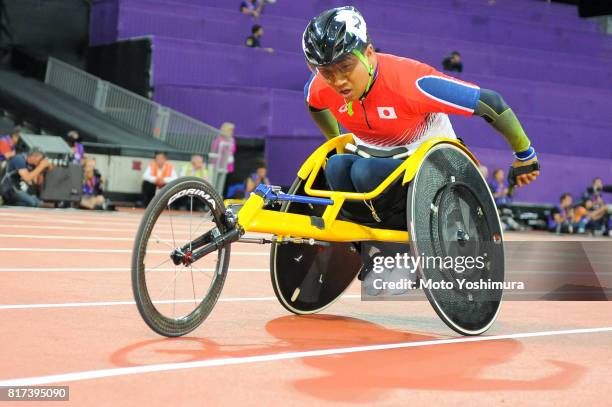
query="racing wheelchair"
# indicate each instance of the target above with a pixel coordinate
(181, 256)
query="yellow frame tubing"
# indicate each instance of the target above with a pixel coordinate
(253, 218)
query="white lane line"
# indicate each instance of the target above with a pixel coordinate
(25, 211)
(64, 237)
(131, 230)
(79, 228)
(110, 269)
(76, 237)
(165, 367)
(66, 214)
(34, 250)
(244, 269)
(115, 303)
(76, 222)
(53, 218)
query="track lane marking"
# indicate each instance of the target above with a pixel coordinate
(34, 250)
(114, 269)
(165, 367)
(116, 303)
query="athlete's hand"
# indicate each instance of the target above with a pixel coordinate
(528, 177)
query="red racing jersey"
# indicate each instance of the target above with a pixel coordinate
(407, 103)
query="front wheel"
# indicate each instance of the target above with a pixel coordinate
(175, 299)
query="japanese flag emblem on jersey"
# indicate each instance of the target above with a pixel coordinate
(386, 113)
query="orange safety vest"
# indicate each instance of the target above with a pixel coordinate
(166, 170)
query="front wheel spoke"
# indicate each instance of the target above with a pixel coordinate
(159, 265)
(208, 273)
(160, 240)
(193, 285)
(171, 225)
(207, 218)
(173, 281)
(174, 295)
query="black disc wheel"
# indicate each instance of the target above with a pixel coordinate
(309, 278)
(456, 232)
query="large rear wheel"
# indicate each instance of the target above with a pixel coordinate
(452, 215)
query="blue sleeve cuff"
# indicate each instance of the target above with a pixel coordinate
(525, 155)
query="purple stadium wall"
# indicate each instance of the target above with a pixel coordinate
(550, 66)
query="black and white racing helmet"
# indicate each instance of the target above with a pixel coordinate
(333, 34)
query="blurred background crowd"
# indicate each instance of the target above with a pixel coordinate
(105, 112)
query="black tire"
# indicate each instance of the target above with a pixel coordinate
(158, 322)
(339, 261)
(446, 184)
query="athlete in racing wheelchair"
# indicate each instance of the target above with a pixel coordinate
(400, 177)
(391, 105)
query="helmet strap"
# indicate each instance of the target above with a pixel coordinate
(370, 69)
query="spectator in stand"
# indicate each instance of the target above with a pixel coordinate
(600, 211)
(484, 171)
(159, 172)
(594, 193)
(499, 188)
(586, 214)
(453, 62)
(256, 178)
(8, 144)
(195, 168)
(226, 134)
(253, 40)
(596, 188)
(581, 218)
(219, 147)
(93, 182)
(73, 138)
(252, 7)
(23, 170)
(561, 217)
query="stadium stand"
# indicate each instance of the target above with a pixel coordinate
(551, 66)
(59, 111)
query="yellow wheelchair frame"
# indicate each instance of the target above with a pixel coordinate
(252, 217)
(301, 284)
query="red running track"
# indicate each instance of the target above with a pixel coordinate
(68, 318)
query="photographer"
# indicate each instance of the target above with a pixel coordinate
(23, 170)
(256, 178)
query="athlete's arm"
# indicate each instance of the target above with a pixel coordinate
(439, 93)
(493, 108)
(325, 121)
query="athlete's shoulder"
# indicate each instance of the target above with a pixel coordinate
(426, 88)
(397, 65)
